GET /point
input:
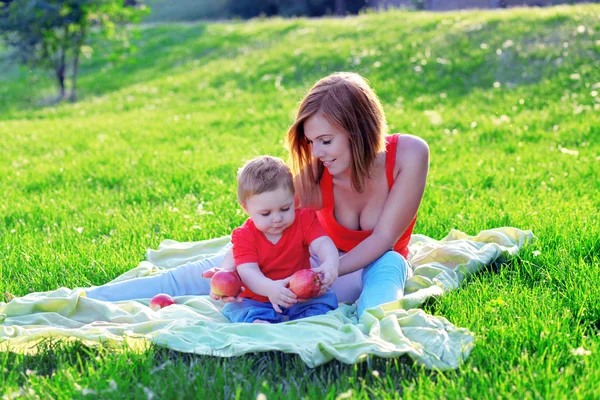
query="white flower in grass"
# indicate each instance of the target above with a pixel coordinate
(79, 230)
(536, 253)
(346, 395)
(200, 210)
(569, 152)
(580, 351)
(261, 396)
(149, 393)
(434, 117)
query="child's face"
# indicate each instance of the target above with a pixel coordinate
(272, 212)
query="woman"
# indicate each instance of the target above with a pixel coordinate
(365, 185)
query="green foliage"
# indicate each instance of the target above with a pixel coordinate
(507, 100)
(190, 10)
(51, 33)
(186, 10)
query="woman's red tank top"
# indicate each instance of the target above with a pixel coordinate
(346, 239)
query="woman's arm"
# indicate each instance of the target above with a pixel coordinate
(400, 208)
(228, 264)
(327, 253)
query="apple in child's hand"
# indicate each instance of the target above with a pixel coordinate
(305, 284)
(226, 283)
(161, 300)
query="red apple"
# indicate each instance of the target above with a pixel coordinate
(161, 300)
(305, 284)
(226, 283)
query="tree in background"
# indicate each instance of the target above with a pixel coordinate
(51, 33)
(287, 8)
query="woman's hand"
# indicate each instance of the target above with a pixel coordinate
(328, 273)
(225, 299)
(280, 295)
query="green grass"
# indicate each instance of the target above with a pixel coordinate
(163, 126)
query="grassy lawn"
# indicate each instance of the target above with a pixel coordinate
(508, 101)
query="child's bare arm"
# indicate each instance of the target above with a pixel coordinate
(327, 253)
(276, 291)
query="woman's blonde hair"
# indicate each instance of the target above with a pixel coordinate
(263, 174)
(347, 100)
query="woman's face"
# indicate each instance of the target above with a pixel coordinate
(329, 143)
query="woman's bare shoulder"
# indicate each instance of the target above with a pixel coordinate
(411, 150)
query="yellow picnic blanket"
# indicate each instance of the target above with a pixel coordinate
(195, 324)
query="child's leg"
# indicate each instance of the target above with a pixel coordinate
(181, 281)
(251, 310)
(383, 281)
(316, 306)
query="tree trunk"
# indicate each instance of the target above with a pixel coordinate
(59, 68)
(60, 65)
(77, 52)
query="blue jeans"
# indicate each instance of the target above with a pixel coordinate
(251, 310)
(185, 280)
(382, 281)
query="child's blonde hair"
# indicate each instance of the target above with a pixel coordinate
(263, 174)
(347, 100)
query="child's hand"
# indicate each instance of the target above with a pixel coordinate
(280, 295)
(208, 274)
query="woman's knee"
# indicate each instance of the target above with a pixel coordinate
(390, 264)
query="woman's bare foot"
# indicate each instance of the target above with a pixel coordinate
(260, 321)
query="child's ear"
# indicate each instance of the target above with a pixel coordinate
(244, 208)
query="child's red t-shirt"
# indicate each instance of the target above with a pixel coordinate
(280, 260)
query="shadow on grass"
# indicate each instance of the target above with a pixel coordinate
(290, 372)
(285, 372)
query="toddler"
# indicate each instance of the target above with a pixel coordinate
(274, 243)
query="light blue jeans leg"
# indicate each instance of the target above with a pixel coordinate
(180, 281)
(383, 281)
